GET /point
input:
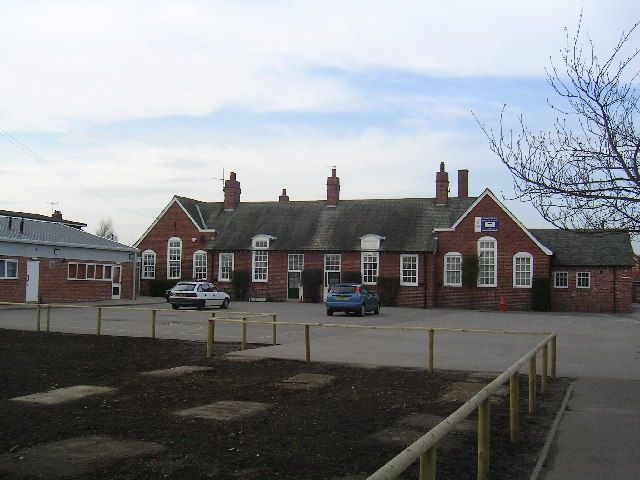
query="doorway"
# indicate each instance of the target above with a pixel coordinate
(331, 272)
(33, 281)
(294, 281)
(116, 274)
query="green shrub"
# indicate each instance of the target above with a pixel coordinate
(158, 288)
(352, 277)
(541, 294)
(312, 283)
(240, 279)
(470, 268)
(387, 290)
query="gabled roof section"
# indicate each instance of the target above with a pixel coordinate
(188, 206)
(588, 247)
(407, 224)
(490, 194)
(44, 218)
(54, 233)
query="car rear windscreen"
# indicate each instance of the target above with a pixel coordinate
(343, 289)
(184, 287)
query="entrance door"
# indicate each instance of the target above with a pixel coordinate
(116, 273)
(33, 281)
(331, 271)
(294, 282)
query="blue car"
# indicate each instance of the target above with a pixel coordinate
(352, 297)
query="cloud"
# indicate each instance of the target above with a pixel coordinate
(68, 62)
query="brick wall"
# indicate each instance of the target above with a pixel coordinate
(510, 239)
(55, 287)
(174, 223)
(599, 297)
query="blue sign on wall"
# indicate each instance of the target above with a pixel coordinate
(490, 224)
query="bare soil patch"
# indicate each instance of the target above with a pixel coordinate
(323, 421)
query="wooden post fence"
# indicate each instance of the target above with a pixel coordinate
(428, 464)
(307, 343)
(38, 319)
(532, 385)
(99, 321)
(275, 328)
(48, 318)
(553, 357)
(431, 334)
(483, 440)
(211, 331)
(244, 333)
(545, 360)
(514, 408)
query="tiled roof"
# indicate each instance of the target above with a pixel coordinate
(44, 218)
(587, 247)
(53, 233)
(407, 224)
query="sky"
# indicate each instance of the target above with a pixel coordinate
(109, 109)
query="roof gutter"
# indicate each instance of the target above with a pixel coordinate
(73, 245)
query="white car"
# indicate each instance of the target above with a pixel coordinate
(199, 295)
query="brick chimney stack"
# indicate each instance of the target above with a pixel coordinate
(333, 189)
(284, 197)
(231, 192)
(463, 183)
(57, 214)
(442, 186)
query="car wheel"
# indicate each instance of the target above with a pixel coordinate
(201, 305)
(174, 306)
(362, 311)
(376, 311)
(225, 304)
(329, 312)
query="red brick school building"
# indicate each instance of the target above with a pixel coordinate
(423, 245)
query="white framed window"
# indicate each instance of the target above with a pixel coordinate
(260, 266)
(149, 264)
(453, 269)
(522, 270)
(409, 270)
(583, 280)
(261, 241)
(77, 271)
(91, 271)
(106, 272)
(332, 262)
(8, 269)
(225, 269)
(487, 262)
(296, 262)
(560, 279)
(200, 265)
(174, 258)
(369, 268)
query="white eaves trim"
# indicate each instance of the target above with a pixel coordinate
(70, 245)
(155, 222)
(489, 193)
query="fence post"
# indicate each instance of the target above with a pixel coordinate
(428, 464)
(38, 319)
(532, 385)
(431, 334)
(244, 333)
(153, 323)
(483, 440)
(274, 333)
(553, 357)
(307, 343)
(514, 408)
(48, 318)
(545, 360)
(99, 321)
(211, 329)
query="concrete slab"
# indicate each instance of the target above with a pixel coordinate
(61, 395)
(178, 371)
(225, 410)
(306, 381)
(74, 456)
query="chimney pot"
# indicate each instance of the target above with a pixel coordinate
(57, 214)
(442, 186)
(231, 192)
(463, 183)
(333, 189)
(284, 197)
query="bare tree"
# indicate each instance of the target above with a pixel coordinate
(105, 229)
(583, 172)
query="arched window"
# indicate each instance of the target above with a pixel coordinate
(487, 262)
(149, 264)
(453, 269)
(200, 265)
(174, 258)
(522, 270)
